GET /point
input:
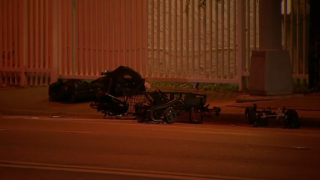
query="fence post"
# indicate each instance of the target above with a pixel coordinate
(24, 45)
(55, 42)
(241, 41)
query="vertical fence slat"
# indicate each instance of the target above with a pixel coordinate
(135, 12)
(210, 39)
(31, 39)
(217, 38)
(92, 37)
(169, 40)
(16, 50)
(41, 45)
(142, 34)
(104, 39)
(113, 33)
(97, 23)
(176, 40)
(145, 42)
(152, 39)
(291, 35)
(297, 61)
(1, 41)
(186, 73)
(222, 40)
(164, 38)
(285, 4)
(199, 42)
(5, 37)
(10, 38)
(235, 39)
(254, 25)
(46, 21)
(10, 41)
(158, 38)
(241, 41)
(304, 34)
(36, 42)
(228, 39)
(248, 36)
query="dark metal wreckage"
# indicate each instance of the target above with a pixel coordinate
(155, 106)
(257, 118)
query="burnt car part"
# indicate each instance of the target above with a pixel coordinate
(118, 82)
(112, 106)
(157, 106)
(192, 103)
(257, 118)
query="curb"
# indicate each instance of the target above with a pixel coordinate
(253, 98)
(228, 118)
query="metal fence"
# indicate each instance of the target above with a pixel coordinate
(164, 40)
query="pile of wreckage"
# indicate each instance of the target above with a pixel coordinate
(122, 92)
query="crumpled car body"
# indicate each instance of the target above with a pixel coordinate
(118, 82)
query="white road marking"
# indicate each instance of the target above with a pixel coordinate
(115, 171)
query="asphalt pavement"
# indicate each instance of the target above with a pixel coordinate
(34, 100)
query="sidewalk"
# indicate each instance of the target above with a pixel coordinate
(34, 100)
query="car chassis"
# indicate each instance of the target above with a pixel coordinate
(257, 118)
(156, 106)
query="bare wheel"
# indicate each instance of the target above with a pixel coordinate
(170, 115)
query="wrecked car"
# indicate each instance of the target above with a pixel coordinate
(155, 106)
(118, 82)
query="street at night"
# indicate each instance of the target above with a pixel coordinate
(43, 147)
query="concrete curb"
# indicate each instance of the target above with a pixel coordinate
(228, 118)
(251, 98)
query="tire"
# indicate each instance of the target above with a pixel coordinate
(170, 115)
(291, 119)
(250, 115)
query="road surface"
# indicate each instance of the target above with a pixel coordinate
(35, 147)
